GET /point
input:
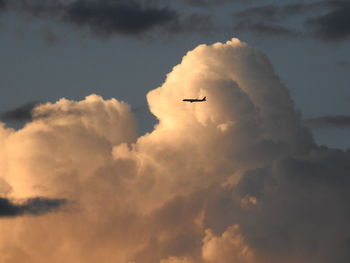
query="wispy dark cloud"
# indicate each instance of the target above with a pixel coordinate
(21, 113)
(33, 206)
(265, 29)
(100, 17)
(327, 20)
(336, 121)
(209, 3)
(271, 12)
(343, 64)
(49, 36)
(268, 20)
(193, 23)
(124, 17)
(116, 17)
(2, 5)
(335, 24)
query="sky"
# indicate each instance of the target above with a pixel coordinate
(54, 49)
(100, 159)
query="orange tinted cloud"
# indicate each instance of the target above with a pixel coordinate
(213, 182)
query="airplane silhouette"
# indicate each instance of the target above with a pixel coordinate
(195, 100)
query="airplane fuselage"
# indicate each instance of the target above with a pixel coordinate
(194, 100)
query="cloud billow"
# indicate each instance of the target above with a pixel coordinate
(301, 203)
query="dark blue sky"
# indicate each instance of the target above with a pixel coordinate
(123, 49)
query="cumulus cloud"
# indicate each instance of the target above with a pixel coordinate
(234, 179)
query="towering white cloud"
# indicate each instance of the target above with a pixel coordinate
(233, 179)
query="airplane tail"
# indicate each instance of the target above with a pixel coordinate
(205, 98)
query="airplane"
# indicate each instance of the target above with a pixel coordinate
(195, 100)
